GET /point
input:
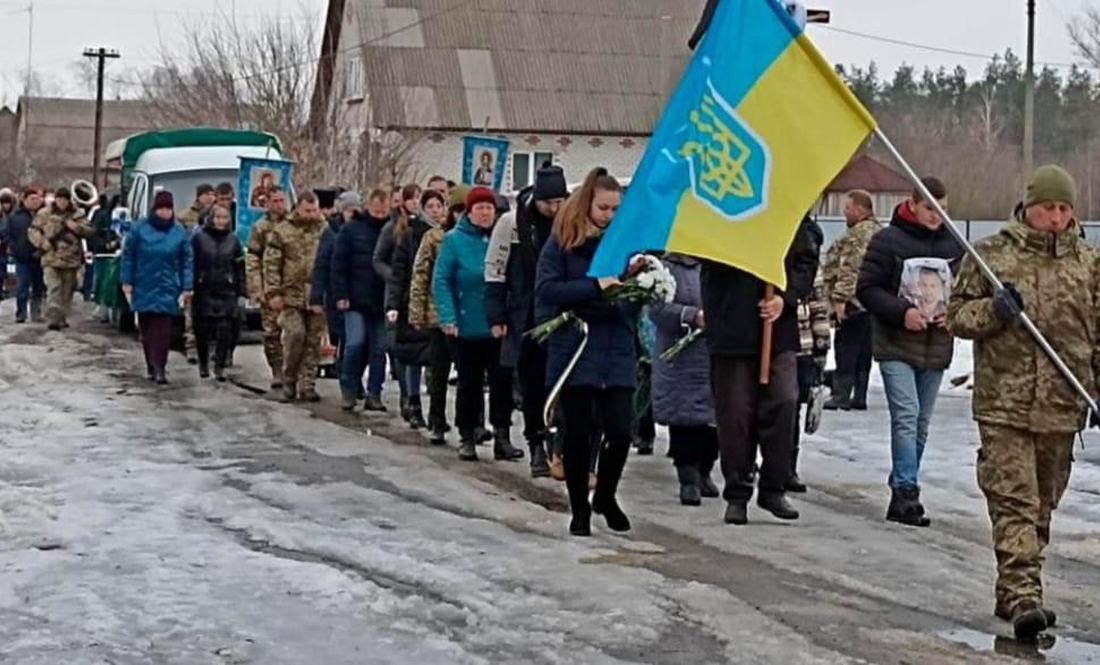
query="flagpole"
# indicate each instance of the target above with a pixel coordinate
(988, 273)
(766, 342)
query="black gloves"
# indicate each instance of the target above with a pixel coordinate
(1008, 303)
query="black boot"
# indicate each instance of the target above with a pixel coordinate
(688, 475)
(776, 503)
(151, 372)
(160, 375)
(503, 450)
(540, 465)
(438, 435)
(737, 512)
(416, 414)
(841, 398)
(576, 481)
(467, 450)
(707, 488)
(905, 507)
(204, 369)
(219, 374)
(404, 407)
(612, 461)
(482, 435)
(859, 393)
(794, 483)
(1028, 620)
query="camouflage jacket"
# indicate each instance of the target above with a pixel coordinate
(813, 321)
(254, 257)
(840, 269)
(57, 244)
(288, 260)
(190, 217)
(422, 311)
(1015, 385)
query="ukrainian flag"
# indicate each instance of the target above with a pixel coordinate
(757, 128)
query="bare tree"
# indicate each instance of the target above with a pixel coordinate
(1084, 32)
(260, 75)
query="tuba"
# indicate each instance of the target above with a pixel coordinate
(85, 194)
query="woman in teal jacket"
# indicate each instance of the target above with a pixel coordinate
(458, 286)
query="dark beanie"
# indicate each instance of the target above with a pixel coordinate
(164, 199)
(480, 195)
(550, 183)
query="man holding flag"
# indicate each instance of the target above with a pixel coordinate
(732, 168)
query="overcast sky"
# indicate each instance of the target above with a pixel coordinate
(63, 28)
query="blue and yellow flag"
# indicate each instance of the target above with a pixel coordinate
(757, 128)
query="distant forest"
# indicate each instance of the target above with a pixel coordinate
(970, 131)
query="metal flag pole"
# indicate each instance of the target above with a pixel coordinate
(988, 273)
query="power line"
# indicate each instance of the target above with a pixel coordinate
(98, 8)
(948, 51)
(386, 35)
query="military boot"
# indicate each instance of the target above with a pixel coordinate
(841, 398)
(1028, 620)
(776, 503)
(905, 507)
(707, 488)
(540, 465)
(503, 450)
(467, 449)
(416, 413)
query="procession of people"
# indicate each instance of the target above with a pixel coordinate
(420, 280)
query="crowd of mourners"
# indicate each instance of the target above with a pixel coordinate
(415, 282)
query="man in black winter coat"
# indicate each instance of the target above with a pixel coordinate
(348, 205)
(31, 287)
(910, 343)
(510, 263)
(748, 412)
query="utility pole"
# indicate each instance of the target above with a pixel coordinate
(25, 112)
(1029, 93)
(101, 55)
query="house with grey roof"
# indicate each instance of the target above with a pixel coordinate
(579, 82)
(52, 140)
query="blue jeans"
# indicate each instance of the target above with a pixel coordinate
(31, 286)
(911, 394)
(377, 356)
(362, 342)
(413, 376)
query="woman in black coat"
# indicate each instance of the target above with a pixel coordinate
(604, 378)
(219, 284)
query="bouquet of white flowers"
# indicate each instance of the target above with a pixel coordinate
(649, 280)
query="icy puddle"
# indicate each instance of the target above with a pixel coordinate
(1049, 648)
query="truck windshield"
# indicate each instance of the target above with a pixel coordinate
(182, 184)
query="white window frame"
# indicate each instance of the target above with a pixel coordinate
(353, 78)
(533, 164)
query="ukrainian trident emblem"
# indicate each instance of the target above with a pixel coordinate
(729, 163)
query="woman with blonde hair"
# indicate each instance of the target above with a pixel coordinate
(603, 380)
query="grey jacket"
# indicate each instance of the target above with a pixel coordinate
(681, 389)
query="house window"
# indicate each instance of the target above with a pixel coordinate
(353, 78)
(525, 165)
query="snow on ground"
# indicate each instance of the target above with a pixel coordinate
(200, 524)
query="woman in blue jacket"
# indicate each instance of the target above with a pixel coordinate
(157, 273)
(458, 286)
(604, 379)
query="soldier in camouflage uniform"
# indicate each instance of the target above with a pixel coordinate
(254, 266)
(204, 198)
(1027, 412)
(287, 273)
(814, 339)
(841, 272)
(57, 232)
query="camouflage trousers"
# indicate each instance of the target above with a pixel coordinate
(61, 284)
(302, 330)
(1023, 476)
(273, 344)
(188, 332)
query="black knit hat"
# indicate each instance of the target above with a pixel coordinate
(550, 183)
